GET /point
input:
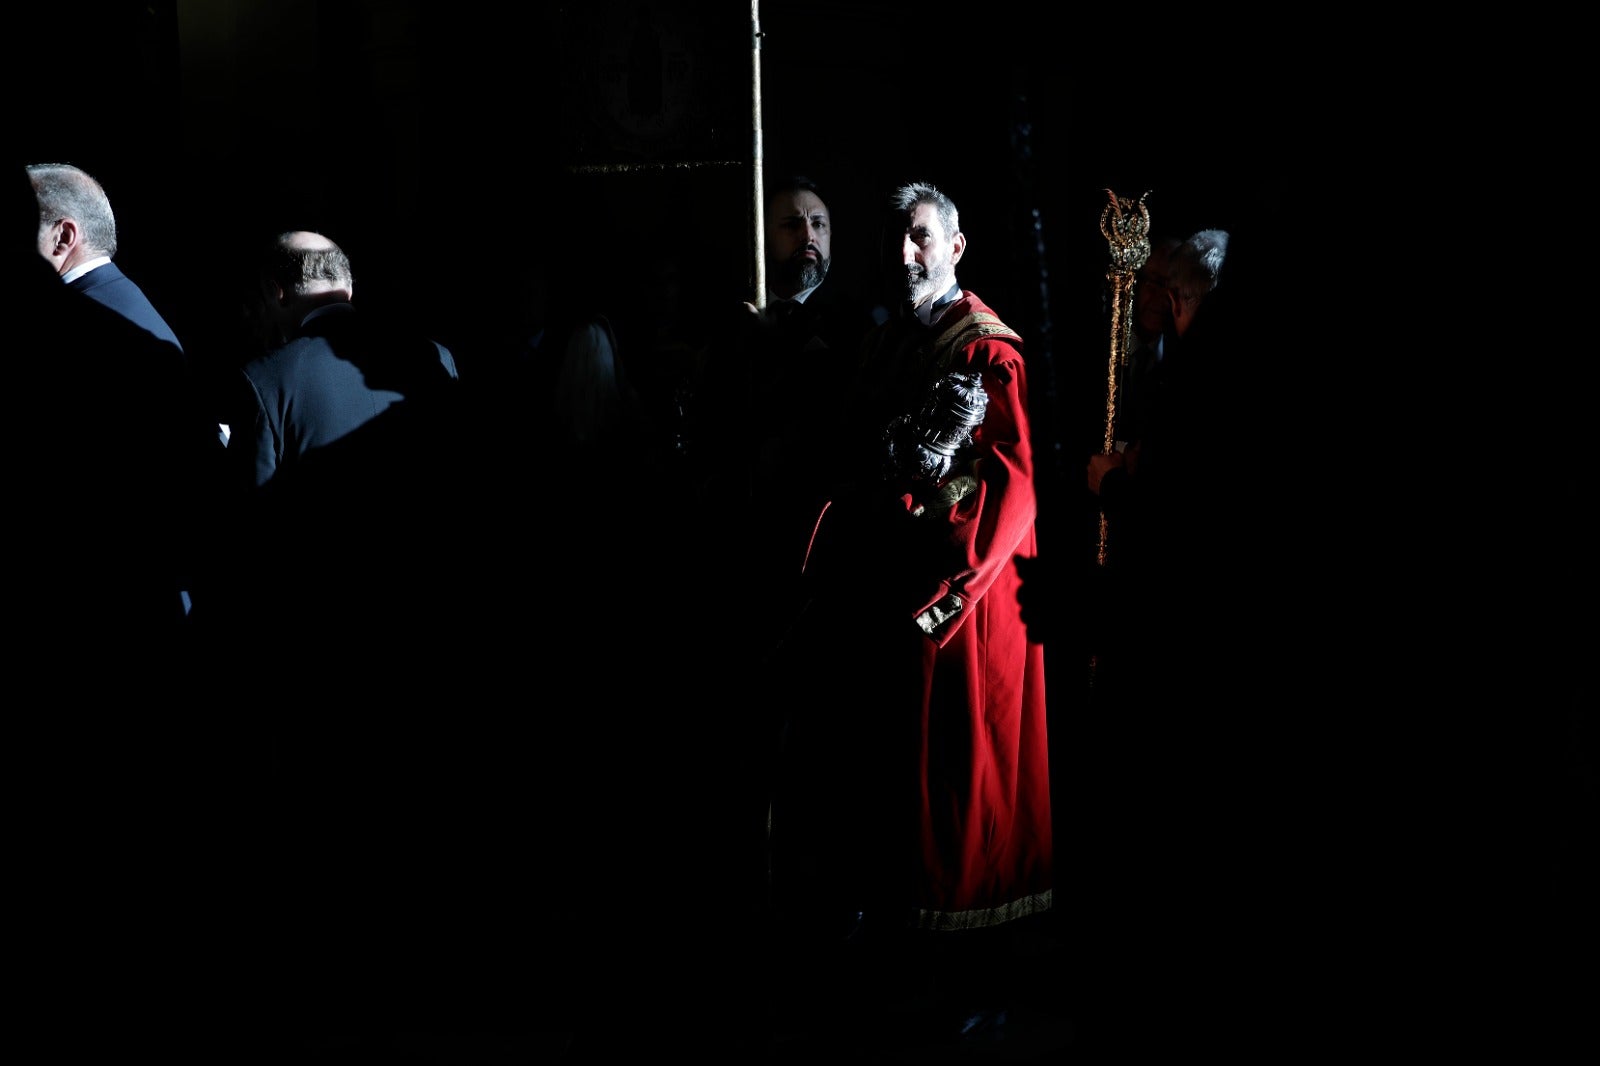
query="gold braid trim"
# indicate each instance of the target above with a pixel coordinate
(946, 921)
(974, 327)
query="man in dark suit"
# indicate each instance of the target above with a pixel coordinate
(101, 440)
(353, 620)
(763, 406)
(344, 424)
(759, 447)
(78, 237)
(811, 315)
(764, 395)
(119, 359)
(328, 371)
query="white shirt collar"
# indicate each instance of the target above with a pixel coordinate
(83, 268)
(930, 311)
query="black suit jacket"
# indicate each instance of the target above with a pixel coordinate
(771, 388)
(762, 444)
(345, 448)
(109, 286)
(830, 321)
(345, 371)
(118, 462)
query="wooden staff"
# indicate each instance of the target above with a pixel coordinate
(758, 198)
(1125, 224)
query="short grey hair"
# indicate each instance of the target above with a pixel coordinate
(297, 269)
(65, 191)
(1196, 265)
(908, 196)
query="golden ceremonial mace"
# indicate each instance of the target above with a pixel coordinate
(1125, 224)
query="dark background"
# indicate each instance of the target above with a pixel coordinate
(443, 144)
(440, 143)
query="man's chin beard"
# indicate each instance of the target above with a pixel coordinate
(801, 273)
(812, 273)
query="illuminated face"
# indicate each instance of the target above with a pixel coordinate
(930, 255)
(799, 241)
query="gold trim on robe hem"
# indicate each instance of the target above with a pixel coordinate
(943, 921)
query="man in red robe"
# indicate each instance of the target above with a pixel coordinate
(914, 788)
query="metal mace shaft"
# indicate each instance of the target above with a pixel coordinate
(1125, 224)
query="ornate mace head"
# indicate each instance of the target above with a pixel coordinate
(1125, 224)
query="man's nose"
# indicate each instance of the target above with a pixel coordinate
(908, 251)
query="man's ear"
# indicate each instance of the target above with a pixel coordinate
(273, 293)
(67, 237)
(958, 245)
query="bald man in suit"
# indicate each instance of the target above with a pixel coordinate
(328, 370)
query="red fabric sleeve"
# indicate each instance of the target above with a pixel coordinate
(987, 526)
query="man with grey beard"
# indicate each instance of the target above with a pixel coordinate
(802, 315)
(913, 802)
(799, 241)
(756, 391)
(757, 454)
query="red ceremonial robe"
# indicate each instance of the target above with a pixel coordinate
(949, 695)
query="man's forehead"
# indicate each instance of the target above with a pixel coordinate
(925, 217)
(802, 204)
